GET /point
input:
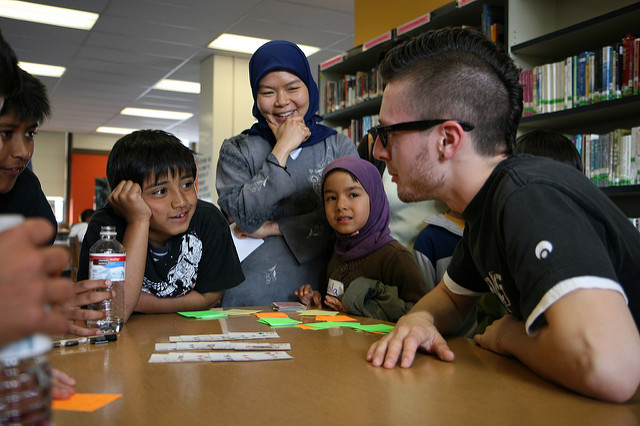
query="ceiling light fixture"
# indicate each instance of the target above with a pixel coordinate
(242, 44)
(59, 16)
(156, 113)
(115, 130)
(178, 86)
(42, 69)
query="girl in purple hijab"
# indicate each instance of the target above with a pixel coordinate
(357, 208)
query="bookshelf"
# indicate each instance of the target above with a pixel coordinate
(536, 33)
(366, 56)
(547, 31)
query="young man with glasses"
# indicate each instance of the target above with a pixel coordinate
(555, 250)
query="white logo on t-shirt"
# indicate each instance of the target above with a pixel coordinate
(543, 249)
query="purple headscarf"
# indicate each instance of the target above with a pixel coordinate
(280, 55)
(375, 232)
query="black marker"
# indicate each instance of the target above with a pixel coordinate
(105, 338)
(67, 343)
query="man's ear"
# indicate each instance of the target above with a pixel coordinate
(451, 134)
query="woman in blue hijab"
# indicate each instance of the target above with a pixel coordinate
(268, 179)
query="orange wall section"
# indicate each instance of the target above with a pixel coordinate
(85, 168)
(374, 17)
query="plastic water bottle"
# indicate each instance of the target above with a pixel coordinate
(107, 260)
(25, 373)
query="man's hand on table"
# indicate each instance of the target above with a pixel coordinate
(413, 331)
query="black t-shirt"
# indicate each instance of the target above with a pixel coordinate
(26, 198)
(203, 258)
(536, 225)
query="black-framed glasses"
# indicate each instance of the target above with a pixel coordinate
(382, 132)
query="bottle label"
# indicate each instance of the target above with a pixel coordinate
(107, 266)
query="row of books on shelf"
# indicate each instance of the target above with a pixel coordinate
(359, 127)
(352, 89)
(493, 22)
(608, 73)
(611, 159)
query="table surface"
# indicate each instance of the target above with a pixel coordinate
(327, 382)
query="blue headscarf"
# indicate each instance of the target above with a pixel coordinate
(280, 55)
(375, 233)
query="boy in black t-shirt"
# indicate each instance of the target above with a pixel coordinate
(21, 114)
(180, 255)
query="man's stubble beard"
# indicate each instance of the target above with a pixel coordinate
(422, 181)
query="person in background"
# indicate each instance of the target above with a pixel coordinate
(180, 254)
(433, 250)
(268, 179)
(370, 273)
(558, 253)
(80, 228)
(544, 143)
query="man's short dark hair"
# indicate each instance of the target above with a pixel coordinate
(147, 153)
(554, 145)
(460, 74)
(10, 82)
(31, 102)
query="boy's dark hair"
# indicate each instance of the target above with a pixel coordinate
(146, 153)
(10, 82)
(31, 102)
(549, 144)
(86, 215)
(460, 74)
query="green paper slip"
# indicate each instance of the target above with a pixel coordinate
(279, 322)
(204, 314)
(376, 328)
(329, 324)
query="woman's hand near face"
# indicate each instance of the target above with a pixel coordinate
(289, 135)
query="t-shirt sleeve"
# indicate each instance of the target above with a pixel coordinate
(545, 248)
(462, 277)
(219, 268)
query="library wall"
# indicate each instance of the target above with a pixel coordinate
(50, 161)
(374, 17)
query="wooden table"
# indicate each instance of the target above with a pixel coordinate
(327, 382)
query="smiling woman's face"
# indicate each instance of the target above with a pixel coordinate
(281, 95)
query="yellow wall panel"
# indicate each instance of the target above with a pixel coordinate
(374, 17)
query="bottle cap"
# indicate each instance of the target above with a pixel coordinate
(34, 345)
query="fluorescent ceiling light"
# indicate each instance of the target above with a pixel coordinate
(178, 86)
(156, 113)
(42, 70)
(115, 130)
(51, 15)
(242, 44)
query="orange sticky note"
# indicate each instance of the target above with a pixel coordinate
(334, 318)
(306, 327)
(271, 315)
(84, 401)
